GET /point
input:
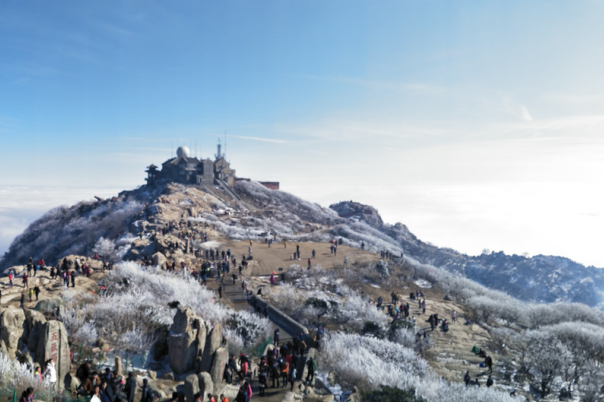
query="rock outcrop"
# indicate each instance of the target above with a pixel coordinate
(349, 209)
(12, 327)
(182, 343)
(213, 342)
(53, 344)
(192, 348)
(219, 361)
(159, 260)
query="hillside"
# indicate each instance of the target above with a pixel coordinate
(73, 230)
(156, 302)
(537, 279)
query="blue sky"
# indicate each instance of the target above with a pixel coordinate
(478, 124)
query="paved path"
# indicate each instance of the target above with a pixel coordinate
(235, 295)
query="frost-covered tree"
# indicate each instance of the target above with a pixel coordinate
(547, 358)
(105, 248)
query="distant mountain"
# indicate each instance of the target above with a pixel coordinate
(540, 278)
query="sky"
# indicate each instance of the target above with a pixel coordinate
(479, 125)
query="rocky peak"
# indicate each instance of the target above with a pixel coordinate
(349, 209)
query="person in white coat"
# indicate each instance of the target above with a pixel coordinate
(50, 373)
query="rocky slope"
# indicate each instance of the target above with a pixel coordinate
(540, 278)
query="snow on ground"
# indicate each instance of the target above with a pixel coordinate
(422, 283)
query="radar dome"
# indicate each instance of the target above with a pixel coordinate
(183, 152)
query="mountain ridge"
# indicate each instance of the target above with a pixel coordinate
(75, 229)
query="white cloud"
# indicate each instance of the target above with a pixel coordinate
(22, 205)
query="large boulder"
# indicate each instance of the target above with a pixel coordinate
(49, 306)
(12, 327)
(205, 384)
(220, 360)
(53, 344)
(34, 321)
(213, 343)
(159, 260)
(200, 340)
(195, 383)
(17, 269)
(191, 387)
(182, 345)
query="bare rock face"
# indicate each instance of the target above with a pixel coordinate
(17, 269)
(202, 331)
(191, 387)
(53, 344)
(118, 366)
(35, 326)
(12, 327)
(349, 209)
(195, 383)
(160, 260)
(182, 341)
(213, 343)
(205, 384)
(220, 360)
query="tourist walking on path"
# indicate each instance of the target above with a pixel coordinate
(312, 368)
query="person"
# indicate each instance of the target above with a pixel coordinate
(244, 366)
(22, 300)
(25, 284)
(107, 394)
(241, 395)
(220, 292)
(248, 390)
(292, 377)
(262, 380)
(489, 382)
(11, 277)
(488, 362)
(276, 337)
(50, 373)
(31, 295)
(211, 397)
(453, 316)
(223, 398)
(27, 395)
(466, 378)
(38, 374)
(312, 368)
(130, 387)
(272, 279)
(284, 372)
(147, 392)
(96, 394)
(275, 374)
(37, 292)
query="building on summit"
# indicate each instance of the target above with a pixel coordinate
(190, 170)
